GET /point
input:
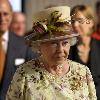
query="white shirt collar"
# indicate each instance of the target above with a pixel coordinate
(5, 36)
(6, 39)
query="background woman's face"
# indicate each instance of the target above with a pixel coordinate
(55, 52)
(81, 24)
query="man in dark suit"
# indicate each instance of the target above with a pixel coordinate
(13, 50)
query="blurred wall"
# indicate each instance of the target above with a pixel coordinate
(31, 6)
(16, 5)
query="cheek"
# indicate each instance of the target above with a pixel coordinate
(8, 19)
(66, 50)
(77, 28)
(80, 29)
(51, 52)
(22, 25)
(86, 28)
(47, 52)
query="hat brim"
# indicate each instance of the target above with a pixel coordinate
(72, 37)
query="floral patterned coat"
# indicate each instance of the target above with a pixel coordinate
(33, 82)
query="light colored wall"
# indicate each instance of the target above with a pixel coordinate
(32, 6)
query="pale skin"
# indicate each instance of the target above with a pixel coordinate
(83, 27)
(18, 25)
(54, 54)
(5, 16)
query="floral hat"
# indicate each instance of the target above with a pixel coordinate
(52, 24)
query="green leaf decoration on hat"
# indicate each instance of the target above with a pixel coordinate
(46, 27)
(55, 17)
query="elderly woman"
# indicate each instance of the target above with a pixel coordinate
(52, 76)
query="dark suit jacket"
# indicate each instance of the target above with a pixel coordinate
(93, 62)
(16, 49)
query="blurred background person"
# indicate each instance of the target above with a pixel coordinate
(98, 11)
(96, 34)
(87, 50)
(18, 24)
(13, 50)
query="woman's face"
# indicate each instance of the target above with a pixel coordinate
(81, 24)
(55, 52)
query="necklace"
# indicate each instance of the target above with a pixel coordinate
(58, 69)
(60, 66)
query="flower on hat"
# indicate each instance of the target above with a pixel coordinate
(52, 24)
(46, 27)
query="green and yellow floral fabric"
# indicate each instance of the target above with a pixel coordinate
(33, 82)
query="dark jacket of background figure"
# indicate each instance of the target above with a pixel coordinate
(93, 62)
(16, 49)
